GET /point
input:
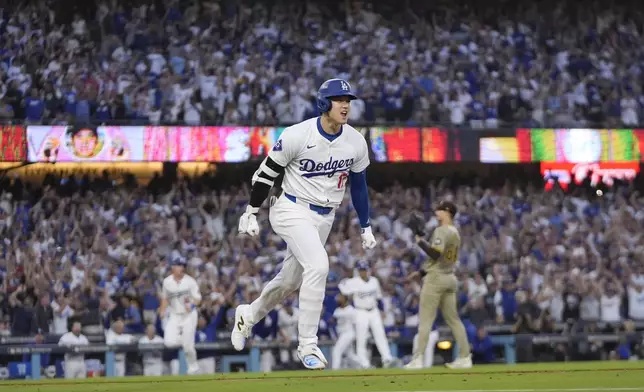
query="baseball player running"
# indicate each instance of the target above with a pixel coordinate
(439, 285)
(345, 320)
(367, 295)
(317, 157)
(180, 296)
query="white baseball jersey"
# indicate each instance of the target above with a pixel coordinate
(365, 293)
(152, 357)
(288, 322)
(610, 307)
(60, 320)
(181, 293)
(70, 340)
(112, 337)
(635, 304)
(345, 319)
(316, 168)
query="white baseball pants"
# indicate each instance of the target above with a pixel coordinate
(428, 358)
(371, 320)
(306, 265)
(180, 332)
(153, 368)
(75, 369)
(207, 365)
(119, 368)
(266, 361)
(172, 367)
(344, 347)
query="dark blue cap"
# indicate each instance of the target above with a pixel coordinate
(362, 266)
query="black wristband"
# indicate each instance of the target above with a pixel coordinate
(258, 193)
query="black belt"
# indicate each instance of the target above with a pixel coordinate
(319, 209)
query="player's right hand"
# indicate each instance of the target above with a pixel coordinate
(248, 222)
(414, 275)
(368, 240)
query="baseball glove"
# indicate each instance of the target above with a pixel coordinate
(417, 224)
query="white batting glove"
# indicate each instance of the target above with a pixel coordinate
(248, 222)
(368, 240)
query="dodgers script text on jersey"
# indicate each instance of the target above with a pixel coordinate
(365, 293)
(317, 168)
(329, 168)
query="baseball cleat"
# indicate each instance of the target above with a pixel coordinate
(392, 363)
(242, 327)
(312, 358)
(416, 363)
(192, 370)
(460, 363)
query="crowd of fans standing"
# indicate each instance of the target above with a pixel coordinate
(98, 249)
(95, 250)
(228, 62)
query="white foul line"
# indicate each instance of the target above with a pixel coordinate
(541, 390)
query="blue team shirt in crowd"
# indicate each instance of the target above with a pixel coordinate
(34, 109)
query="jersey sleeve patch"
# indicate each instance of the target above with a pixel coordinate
(438, 241)
(278, 146)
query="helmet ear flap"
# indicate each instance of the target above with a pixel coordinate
(324, 104)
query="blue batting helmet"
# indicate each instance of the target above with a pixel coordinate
(362, 266)
(333, 88)
(179, 261)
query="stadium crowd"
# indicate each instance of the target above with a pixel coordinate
(95, 251)
(230, 62)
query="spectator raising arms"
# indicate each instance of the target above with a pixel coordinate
(95, 252)
(252, 63)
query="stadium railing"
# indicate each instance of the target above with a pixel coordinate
(250, 357)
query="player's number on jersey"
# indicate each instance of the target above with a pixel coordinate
(342, 180)
(450, 254)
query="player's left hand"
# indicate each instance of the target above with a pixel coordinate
(417, 225)
(368, 240)
(248, 222)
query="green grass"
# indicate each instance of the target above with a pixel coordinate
(551, 377)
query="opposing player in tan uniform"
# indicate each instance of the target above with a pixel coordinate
(440, 285)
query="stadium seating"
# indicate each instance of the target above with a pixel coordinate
(261, 63)
(571, 261)
(99, 248)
